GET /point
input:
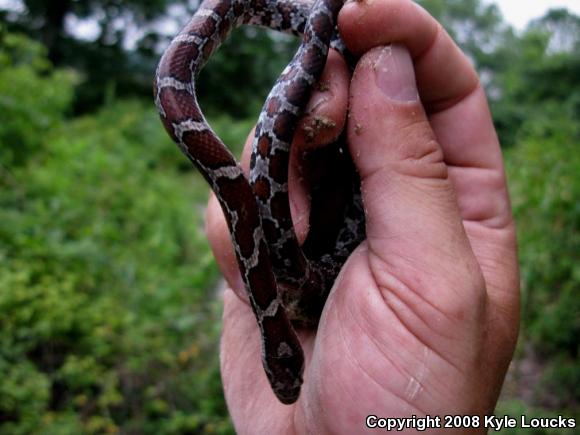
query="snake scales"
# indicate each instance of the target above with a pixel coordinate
(287, 284)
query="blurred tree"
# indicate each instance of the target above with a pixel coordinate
(518, 71)
(130, 36)
(563, 28)
(47, 19)
(541, 67)
(239, 76)
(476, 26)
(106, 64)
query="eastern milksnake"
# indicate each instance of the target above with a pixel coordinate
(287, 284)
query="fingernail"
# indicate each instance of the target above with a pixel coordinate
(394, 74)
(318, 99)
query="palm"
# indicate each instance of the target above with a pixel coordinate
(381, 345)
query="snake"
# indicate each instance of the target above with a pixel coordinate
(287, 283)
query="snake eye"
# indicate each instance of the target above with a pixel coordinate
(288, 396)
(288, 391)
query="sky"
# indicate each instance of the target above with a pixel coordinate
(519, 12)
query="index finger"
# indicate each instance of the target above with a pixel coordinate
(444, 74)
(451, 94)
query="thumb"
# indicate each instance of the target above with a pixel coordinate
(412, 214)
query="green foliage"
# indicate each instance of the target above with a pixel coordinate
(33, 97)
(260, 56)
(536, 112)
(103, 292)
(543, 173)
(108, 321)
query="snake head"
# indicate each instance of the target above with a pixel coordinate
(285, 376)
(282, 357)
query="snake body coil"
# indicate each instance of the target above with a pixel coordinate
(285, 282)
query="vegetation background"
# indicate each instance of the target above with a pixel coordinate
(109, 315)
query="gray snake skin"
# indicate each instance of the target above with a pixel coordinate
(287, 284)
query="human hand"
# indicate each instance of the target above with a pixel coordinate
(423, 318)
